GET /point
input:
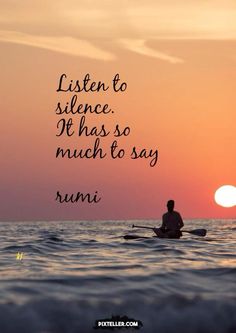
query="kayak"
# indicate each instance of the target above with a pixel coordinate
(176, 234)
(128, 237)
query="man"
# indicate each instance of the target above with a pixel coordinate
(171, 223)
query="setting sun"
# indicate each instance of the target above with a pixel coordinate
(225, 196)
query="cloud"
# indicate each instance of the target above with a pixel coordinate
(143, 19)
(78, 47)
(67, 45)
(138, 46)
(77, 27)
(189, 20)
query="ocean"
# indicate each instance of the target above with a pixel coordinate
(58, 277)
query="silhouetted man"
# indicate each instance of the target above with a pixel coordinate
(171, 223)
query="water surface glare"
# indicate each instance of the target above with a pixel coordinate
(73, 273)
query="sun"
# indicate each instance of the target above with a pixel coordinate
(225, 196)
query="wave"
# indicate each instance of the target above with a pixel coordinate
(164, 315)
(73, 273)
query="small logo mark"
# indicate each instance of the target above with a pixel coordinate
(19, 255)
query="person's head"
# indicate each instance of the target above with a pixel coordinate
(170, 205)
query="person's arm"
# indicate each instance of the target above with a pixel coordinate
(181, 223)
(159, 231)
(163, 226)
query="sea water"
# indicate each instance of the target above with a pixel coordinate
(63, 276)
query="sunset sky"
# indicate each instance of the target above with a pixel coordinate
(179, 61)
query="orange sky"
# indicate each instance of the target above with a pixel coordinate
(179, 63)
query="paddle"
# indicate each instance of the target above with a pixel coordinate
(197, 232)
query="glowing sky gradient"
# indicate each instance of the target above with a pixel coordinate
(179, 61)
